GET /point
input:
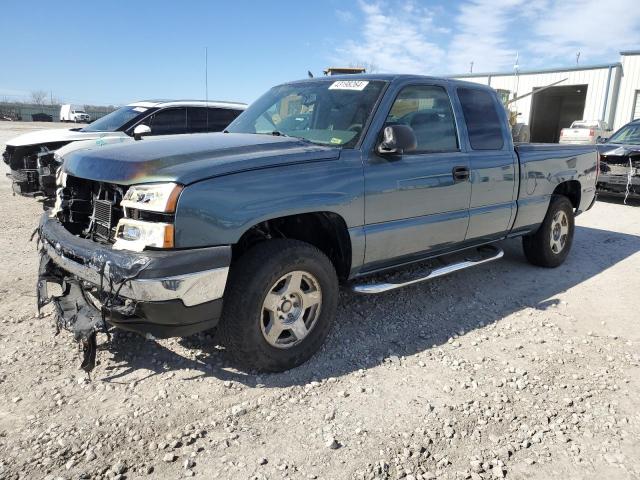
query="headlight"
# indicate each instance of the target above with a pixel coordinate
(153, 197)
(137, 234)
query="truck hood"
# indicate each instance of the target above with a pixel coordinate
(615, 159)
(617, 149)
(190, 158)
(108, 139)
(57, 135)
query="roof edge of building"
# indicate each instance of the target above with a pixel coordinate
(630, 52)
(535, 72)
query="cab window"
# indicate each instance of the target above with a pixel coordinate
(197, 117)
(482, 119)
(427, 110)
(170, 121)
(220, 118)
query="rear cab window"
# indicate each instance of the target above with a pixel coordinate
(483, 122)
(197, 119)
(210, 119)
(220, 118)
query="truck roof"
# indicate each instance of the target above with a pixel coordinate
(390, 77)
(188, 103)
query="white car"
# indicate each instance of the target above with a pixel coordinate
(31, 156)
(586, 132)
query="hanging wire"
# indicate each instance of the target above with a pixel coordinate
(629, 177)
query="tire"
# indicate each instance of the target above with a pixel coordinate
(250, 321)
(550, 245)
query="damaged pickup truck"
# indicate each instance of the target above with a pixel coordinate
(620, 162)
(318, 183)
(32, 158)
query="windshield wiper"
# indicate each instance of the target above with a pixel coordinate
(278, 133)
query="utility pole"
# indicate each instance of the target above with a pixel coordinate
(516, 73)
(206, 74)
(206, 83)
(577, 58)
(471, 67)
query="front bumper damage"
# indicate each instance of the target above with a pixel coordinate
(32, 170)
(155, 293)
(620, 172)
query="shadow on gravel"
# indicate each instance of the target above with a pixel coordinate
(371, 330)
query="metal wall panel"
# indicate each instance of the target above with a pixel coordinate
(629, 84)
(596, 81)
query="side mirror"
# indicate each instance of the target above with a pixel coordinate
(601, 140)
(140, 131)
(397, 139)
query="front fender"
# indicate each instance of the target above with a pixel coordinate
(219, 210)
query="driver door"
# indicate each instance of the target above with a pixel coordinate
(417, 203)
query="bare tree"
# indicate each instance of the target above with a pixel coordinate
(39, 97)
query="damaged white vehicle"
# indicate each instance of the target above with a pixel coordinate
(620, 163)
(31, 158)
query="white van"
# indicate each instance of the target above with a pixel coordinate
(73, 113)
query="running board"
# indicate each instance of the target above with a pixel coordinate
(493, 253)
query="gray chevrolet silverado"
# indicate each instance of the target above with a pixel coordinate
(319, 183)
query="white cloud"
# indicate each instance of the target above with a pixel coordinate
(407, 37)
(594, 28)
(394, 40)
(481, 36)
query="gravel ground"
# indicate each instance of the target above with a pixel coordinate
(503, 371)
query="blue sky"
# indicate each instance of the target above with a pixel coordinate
(124, 51)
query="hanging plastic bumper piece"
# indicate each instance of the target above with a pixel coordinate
(157, 293)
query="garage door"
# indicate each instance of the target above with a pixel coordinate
(636, 106)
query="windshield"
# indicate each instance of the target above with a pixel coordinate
(629, 134)
(114, 120)
(324, 112)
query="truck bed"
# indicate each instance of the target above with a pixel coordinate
(543, 167)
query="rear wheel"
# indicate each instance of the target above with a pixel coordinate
(550, 245)
(279, 305)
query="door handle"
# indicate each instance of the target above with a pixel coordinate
(460, 174)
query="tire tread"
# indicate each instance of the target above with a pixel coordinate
(536, 246)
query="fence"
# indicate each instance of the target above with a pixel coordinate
(49, 113)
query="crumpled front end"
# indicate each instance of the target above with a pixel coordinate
(32, 168)
(620, 172)
(155, 293)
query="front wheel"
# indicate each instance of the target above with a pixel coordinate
(550, 245)
(279, 305)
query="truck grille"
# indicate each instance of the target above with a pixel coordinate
(25, 182)
(24, 175)
(91, 209)
(103, 218)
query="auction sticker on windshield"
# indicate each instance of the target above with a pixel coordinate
(349, 85)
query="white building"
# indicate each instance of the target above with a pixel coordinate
(608, 92)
